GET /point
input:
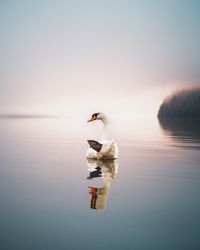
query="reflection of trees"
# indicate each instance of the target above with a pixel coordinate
(107, 170)
(182, 130)
(185, 104)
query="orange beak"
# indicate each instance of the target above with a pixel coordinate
(92, 190)
(92, 119)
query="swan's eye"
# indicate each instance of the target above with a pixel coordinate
(94, 116)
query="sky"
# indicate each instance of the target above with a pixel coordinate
(79, 57)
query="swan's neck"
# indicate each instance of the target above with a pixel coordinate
(106, 130)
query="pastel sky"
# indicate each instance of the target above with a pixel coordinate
(60, 57)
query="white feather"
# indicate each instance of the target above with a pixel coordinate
(109, 149)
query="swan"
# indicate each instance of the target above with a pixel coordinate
(105, 148)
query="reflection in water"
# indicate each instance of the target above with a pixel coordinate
(184, 132)
(41, 203)
(107, 170)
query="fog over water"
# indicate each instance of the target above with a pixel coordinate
(65, 57)
(60, 62)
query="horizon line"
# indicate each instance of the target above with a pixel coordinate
(27, 116)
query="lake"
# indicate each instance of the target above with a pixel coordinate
(52, 198)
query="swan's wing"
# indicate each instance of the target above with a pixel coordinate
(107, 147)
(95, 145)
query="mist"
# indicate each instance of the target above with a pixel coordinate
(79, 57)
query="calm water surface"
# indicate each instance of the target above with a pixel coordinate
(52, 198)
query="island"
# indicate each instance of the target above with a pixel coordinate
(181, 104)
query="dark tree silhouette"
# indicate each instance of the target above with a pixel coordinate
(182, 104)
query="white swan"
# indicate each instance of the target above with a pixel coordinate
(105, 148)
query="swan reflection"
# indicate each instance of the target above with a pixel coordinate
(107, 170)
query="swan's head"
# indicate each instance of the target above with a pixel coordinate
(97, 116)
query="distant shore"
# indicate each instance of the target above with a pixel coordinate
(182, 104)
(26, 116)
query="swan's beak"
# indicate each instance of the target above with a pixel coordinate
(92, 119)
(92, 190)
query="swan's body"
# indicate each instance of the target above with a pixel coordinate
(105, 148)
